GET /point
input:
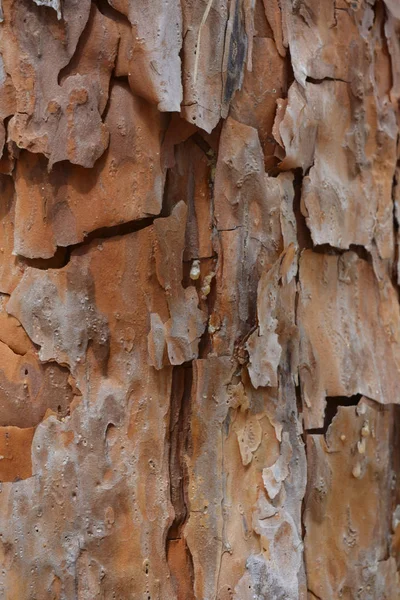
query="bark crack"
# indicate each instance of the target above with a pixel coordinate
(63, 254)
(319, 81)
(331, 408)
(177, 551)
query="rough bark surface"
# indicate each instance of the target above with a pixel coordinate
(199, 303)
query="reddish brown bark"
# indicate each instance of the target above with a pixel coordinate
(199, 315)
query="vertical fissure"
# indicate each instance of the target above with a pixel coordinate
(178, 553)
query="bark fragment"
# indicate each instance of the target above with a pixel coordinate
(350, 481)
(62, 207)
(337, 295)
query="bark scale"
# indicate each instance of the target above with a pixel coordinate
(199, 315)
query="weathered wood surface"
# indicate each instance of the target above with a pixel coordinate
(199, 311)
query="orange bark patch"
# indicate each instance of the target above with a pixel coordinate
(15, 453)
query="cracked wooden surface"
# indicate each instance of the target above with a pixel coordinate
(199, 309)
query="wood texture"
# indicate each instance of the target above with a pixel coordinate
(199, 304)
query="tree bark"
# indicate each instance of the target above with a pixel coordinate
(199, 312)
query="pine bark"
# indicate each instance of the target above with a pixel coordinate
(199, 303)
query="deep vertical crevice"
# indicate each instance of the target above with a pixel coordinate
(303, 233)
(178, 553)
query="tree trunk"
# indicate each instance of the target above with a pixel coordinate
(199, 316)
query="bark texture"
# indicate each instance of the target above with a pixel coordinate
(199, 309)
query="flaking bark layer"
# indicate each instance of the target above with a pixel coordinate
(199, 304)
